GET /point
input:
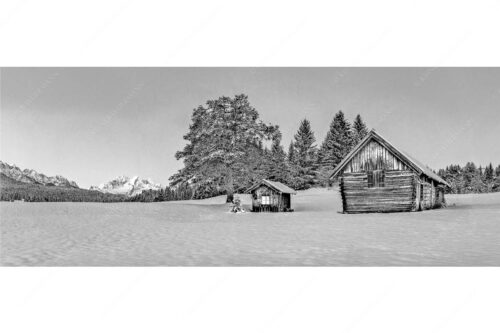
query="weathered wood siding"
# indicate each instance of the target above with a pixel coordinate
(432, 195)
(277, 200)
(401, 189)
(440, 201)
(374, 156)
(397, 195)
(427, 196)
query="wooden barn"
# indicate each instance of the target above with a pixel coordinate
(270, 196)
(377, 177)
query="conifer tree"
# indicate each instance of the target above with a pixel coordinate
(338, 142)
(469, 173)
(359, 130)
(305, 152)
(278, 170)
(489, 172)
(305, 144)
(291, 153)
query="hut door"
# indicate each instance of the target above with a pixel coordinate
(286, 200)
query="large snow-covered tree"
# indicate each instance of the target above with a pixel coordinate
(224, 138)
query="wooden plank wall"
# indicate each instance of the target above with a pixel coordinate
(397, 195)
(433, 194)
(275, 198)
(440, 201)
(373, 156)
(427, 201)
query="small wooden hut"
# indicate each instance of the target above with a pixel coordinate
(377, 177)
(270, 196)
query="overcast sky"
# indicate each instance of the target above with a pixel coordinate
(94, 124)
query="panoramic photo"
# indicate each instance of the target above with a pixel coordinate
(250, 166)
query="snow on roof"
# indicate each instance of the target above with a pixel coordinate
(407, 159)
(425, 169)
(280, 187)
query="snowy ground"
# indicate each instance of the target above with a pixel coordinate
(203, 233)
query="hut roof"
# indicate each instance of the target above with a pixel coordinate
(404, 157)
(277, 186)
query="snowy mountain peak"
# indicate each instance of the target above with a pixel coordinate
(31, 176)
(128, 186)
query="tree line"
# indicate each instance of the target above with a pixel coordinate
(471, 179)
(11, 190)
(169, 193)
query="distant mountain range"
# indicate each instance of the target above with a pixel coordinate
(15, 190)
(29, 176)
(128, 186)
(30, 185)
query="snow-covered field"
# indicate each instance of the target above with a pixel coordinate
(203, 233)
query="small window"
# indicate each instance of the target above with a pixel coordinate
(376, 178)
(266, 200)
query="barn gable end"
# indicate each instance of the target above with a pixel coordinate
(376, 177)
(374, 156)
(375, 151)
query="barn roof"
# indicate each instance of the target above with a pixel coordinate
(404, 157)
(277, 186)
